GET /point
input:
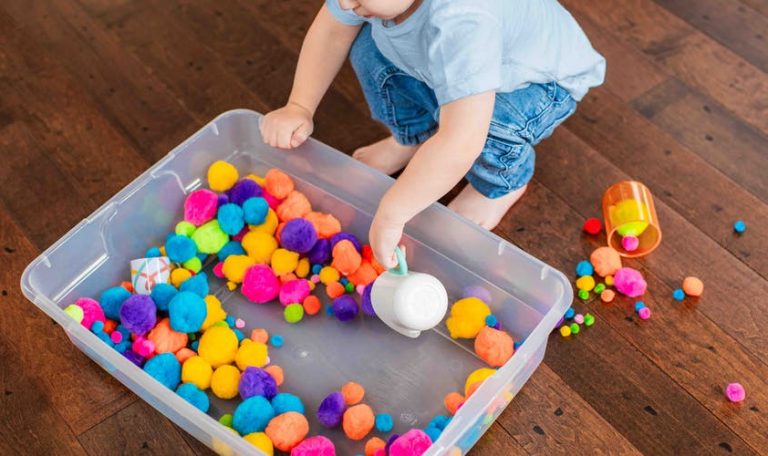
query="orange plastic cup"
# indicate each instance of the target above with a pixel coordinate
(628, 210)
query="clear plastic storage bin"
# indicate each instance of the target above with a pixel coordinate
(405, 377)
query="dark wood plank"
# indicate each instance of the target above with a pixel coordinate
(677, 176)
(496, 441)
(137, 429)
(700, 124)
(735, 25)
(761, 6)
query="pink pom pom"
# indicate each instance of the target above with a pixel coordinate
(239, 236)
(630, 243)
(629, 282)
(413, 443)
(271, 200)
(143, 347)
(116, 337)
(315, 446)
(315, 278)
(218, 270)
(644, 313)
(91, 312)
(294, 291)
(735, 392)
(360, 289)
(239, 323)
(260, 285)
(200, 206)
(579, 318)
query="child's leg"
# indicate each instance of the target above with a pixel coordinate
(404, 104)
(501, 173)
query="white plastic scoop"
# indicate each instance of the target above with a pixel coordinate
(408, 302)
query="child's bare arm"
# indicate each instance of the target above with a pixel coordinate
(324, 50)
(438, 165)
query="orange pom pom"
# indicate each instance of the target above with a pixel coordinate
(109, 326)
(358, 421)
(453, 401)
(373, 445)
(346, 259)
(260, 335)
(294, 206)
(493, 346)
(334, 290)
(287, 430)
(277, 373)
(184, 354)
(166, 339)
(326, 225)
(364, 275)
(127, 285)
(311, 305)
(278, 183)
(353, 393)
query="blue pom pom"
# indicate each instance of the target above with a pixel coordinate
(316, 268)
(153, 252)
(111, 300)
(164, 368)
(344, 281)
(231, 248)
(180, 248)
(194, 345)
(639, 305)
(433, 433)
(162, 294)
(678, 294)
(439, 422)
(97, 327)
(230, 218)
(739, 226)
(192, 394)
(239, 334)
(276, 340)
(202, 257)
(197, 284)
(287, 402)
(105, 338)
(255, 210)
(187, 312)
(384, 422)
(230, 321)
(569, 313)
(491, 320)
(123, 346)
(252, 415)
(584, 268)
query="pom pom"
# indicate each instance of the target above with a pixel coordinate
(413, 443)
(326, 225)
(180, 248)
(345, 308)
(311, 305)
(315, 446)
(230, 217)
(287, 430)
(194, 396)
(218, 346)
(358, 421)
(294, 291)
(179, 275)
(346, 237)
(353, 393)
(293, 313)
(629, 282)
(286, 402)
(298, 235)
(735, 392)
(269, 225)
(284, 261)
(209, 238)
(261, 441)
(243, 190)
(630, 243)
(365, 301)
(692, 286)
(476, 378)
(138, 314)
(257, 382)
(197, 371)
(225, 381)
(251, 354)
(331, 410)
(328, 275)
(364, 275)
(252, 415)
(494, 347)
(200, 207)
(592, 226)
(584, 268)
(586, 283)
(197, 284)
(167, 340)
(606, 261)
(453, 401)
(214, 312)
(255, 210)
(260, 284)
(345, 258)
(230, 248)
(260, 246)
(235, 267)
(277, 373)
(384, 422)
(183, 228)
(295, 205)
(221, 176)
(187, 312)
(112, 299)
(278, 184)
(374, 445)
(164, 368)
(467, 318)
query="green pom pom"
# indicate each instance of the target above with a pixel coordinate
(75, 311)
(589, 320)
(193, 264)
(226, 420)
(575, 328)
(599, 288)
(209, 238)
(583, 295)
(349, 287)
(184, 228)
(293, 313)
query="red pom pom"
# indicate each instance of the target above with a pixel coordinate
(593, 226)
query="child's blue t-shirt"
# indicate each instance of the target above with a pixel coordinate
(465, 47)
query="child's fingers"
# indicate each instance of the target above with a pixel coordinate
(300, 135)
(283, 137)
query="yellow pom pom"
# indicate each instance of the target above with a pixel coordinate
(586, 283)
(258, 179)
(179, 275)
(260, 246)
(328, 275)
(284, 261)
(235, 266)
(198, 371)
(270, 224)
(251, 354)
(260, 441)
(311, 285)
(224, 382)
(302, 270)
(231, 286)
(609, 280)
(478, 376)
(467, 318)
(215, 312)
(221, 176)
(218, 345)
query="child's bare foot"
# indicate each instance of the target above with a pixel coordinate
(386, 155)
(482, 210)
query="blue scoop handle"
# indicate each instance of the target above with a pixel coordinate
(402, 266)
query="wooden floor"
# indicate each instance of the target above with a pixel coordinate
(92, 92)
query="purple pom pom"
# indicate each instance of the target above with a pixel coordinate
(222, 200)
(331, 410)
(320, 252)
(338, 237)
(298, 235)
(134, 357)
(138, 314)
(365, 301)
(243, 189)
(345, 307)
(257, 382)
(390, 441)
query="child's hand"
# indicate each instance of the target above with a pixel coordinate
(384, 237)
(287, 127)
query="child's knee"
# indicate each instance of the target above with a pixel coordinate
(502, 167)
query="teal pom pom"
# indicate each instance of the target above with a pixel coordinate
(287, 402)
(187, 311)
(231, 219)
(180, 248)
(252, 415)
(197, 284)
(231, 248)
(162, 293)
(255, 210)
(195, 396)
(111, 300)
(164, 368)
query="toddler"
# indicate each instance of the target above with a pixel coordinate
(467, 88)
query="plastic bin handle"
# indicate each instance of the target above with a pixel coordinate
(402, 266)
